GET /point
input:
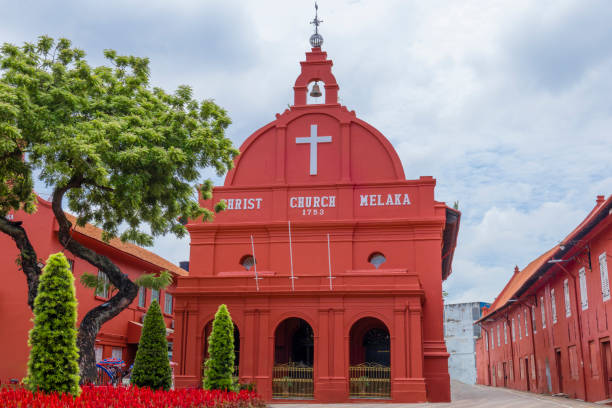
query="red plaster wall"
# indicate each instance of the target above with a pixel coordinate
(15, 315)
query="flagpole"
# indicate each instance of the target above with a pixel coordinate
(329, 263)
(257, 278)
(293, 278)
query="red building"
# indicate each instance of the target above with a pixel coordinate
(549, 329)
(118, 337)
(345, 297)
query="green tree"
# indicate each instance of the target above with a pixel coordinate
(118, 152)
(218, 374)
(152, 366)
(53, 363)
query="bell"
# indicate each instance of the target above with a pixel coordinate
(316, 92)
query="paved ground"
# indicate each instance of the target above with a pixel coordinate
(472, 396)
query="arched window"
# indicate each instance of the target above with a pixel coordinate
(247, 262)
(377, 259)
(316, 93)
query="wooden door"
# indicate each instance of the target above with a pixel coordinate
(505, 373)
(527, 373)
(607, 367)
(559, 369)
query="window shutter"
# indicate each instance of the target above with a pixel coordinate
(553, 306)
(568, 305)
(605, 283)
(543, 312)
(505, 333)
(498, 337)
(583, 289)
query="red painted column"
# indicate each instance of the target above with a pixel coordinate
(321, 357)
(249, 353)
(265, 354)
(340, 367)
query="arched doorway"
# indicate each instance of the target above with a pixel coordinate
(207, 332)
(370, 359)
(293, 360)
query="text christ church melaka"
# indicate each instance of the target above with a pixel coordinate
(344, 300)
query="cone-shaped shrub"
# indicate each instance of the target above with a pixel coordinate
(53, 363)
(151, 366)
(220, 363)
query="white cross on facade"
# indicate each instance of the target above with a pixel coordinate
(313, 140)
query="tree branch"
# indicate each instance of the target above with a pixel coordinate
(27, 255)
(96, 317)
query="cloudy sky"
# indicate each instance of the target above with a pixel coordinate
(508, 104)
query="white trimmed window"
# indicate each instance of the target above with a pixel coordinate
(486, 340)
(505, 333)
(513, 332)
(605, 283)
(584, 300)
(553, 306)
(498, 337)
(568, 305)
(526, 324)
(117, 353)
(102, 290)
(154, 295)
(518, 321)
(167, 303)
(533, 318)
(142, 296)
(543, 312)
(98, 351)
(492, 339)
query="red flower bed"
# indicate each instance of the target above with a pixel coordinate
(130, 397)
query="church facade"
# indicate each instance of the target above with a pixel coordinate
(330, 262)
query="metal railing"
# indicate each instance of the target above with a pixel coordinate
(369, 381)
(291, 381)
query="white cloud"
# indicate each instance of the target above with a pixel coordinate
(506, 103)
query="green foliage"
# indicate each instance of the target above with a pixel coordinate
(151, 366)
(128, 153)
(220, 364)
(151, 281)
(53, 363)
(96, 282)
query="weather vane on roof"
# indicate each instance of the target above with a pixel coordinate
(316, 40)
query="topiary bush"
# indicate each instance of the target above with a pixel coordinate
(220, 363)
(53, 363)
(151, 366)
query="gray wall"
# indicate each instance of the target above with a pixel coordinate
(460, 334)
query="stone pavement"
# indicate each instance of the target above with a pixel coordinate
(472, 396)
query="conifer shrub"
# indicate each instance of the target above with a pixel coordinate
(53, 364)
(151, 366)
(218, 374)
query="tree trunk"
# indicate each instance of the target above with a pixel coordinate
(27, 256)
(96, 317)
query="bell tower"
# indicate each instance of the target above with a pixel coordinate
(316, 68)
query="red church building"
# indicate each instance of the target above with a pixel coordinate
(331, 263)
(118, 337)
(548, 331)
